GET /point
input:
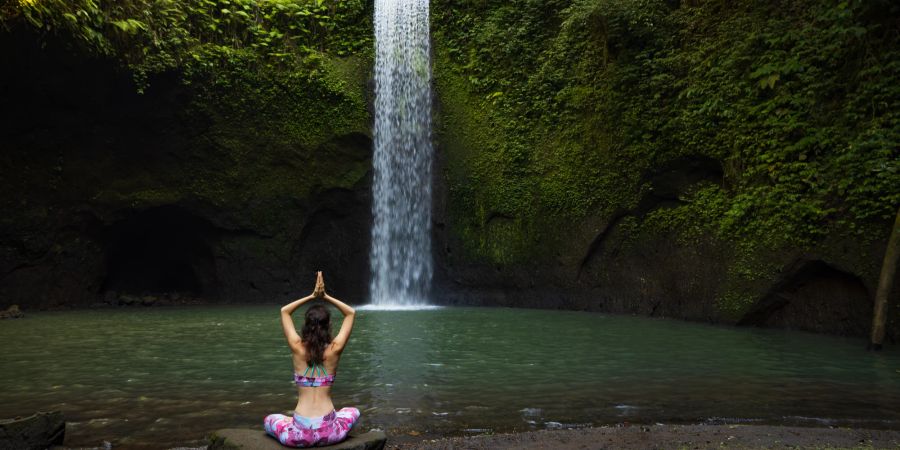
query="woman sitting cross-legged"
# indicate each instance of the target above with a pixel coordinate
(315, 355)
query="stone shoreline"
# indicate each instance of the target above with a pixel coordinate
(619, 436)
(661, 436)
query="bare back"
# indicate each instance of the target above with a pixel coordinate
(314, 401)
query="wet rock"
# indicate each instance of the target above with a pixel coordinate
(110, 297)
(13, 312)
(128, 300)
(250, 439)
(38, 431)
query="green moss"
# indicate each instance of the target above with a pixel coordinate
(272, 85)
(554, 112)
(533, 180)
(269, 139)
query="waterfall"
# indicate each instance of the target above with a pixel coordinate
(401, 234)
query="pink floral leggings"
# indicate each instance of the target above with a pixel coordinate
(302, 431)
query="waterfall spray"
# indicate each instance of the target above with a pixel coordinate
(401, 235)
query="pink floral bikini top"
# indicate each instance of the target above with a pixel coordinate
(323, 378)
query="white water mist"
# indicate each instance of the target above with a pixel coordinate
(401, 235)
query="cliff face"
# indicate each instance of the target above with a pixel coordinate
(702, 160)
(708, 162)
(234, 187)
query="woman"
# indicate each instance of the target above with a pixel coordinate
(316, 355)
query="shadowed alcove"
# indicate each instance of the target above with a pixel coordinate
(815, 296)
(161, 250)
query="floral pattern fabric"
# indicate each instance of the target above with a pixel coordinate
(305, 381)
(299, 431)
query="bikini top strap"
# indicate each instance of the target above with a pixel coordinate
(316, 369)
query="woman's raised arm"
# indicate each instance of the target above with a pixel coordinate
(340, 341)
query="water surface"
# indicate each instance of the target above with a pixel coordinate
(159, 377)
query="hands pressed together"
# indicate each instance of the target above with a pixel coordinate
(318, 293)
(319, 290)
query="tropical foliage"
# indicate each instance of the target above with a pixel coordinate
(799, 102)
(154, 36)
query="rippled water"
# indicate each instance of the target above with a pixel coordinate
(167, 376)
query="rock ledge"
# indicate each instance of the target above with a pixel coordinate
(37, 431)
(251, 439)
(12, 313)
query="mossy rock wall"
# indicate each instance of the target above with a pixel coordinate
(712, 161)
(264, 175)
(716, 161)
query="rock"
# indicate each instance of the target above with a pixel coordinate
(128, 300)
(12, 313)
(38, 431)
(251, 439)
(149, 300)
(110, 297)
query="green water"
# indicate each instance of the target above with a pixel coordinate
(161, 377)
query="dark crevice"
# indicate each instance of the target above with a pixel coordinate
(334, 238)
(655, 307)
(814, 296)
(496, 216)
(18, 268)
(333, 206)
(597, 244)
(671, 179)
(668, 182)
(161, 250)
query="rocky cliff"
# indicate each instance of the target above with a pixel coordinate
(235, 186)
(711, 161)
(699, 160)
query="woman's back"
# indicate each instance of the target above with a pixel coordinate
(314, 401)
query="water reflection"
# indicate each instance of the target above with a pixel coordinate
(400, 365)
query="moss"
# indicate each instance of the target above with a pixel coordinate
(556, 113)
(468, 139)
(268, 140)
(512, 188)
(275, 131)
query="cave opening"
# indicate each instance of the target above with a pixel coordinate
(161, 251)
(816, 297)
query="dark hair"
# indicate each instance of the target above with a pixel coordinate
(316, 333)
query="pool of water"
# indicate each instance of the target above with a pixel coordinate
(161, 377)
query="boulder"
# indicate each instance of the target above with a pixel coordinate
(110, 297)
(128, 300)
(12, 313)
(37, 432)
(253, 439)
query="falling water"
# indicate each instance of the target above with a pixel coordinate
(401, 241)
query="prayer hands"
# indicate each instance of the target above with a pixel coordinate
(319, 290)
